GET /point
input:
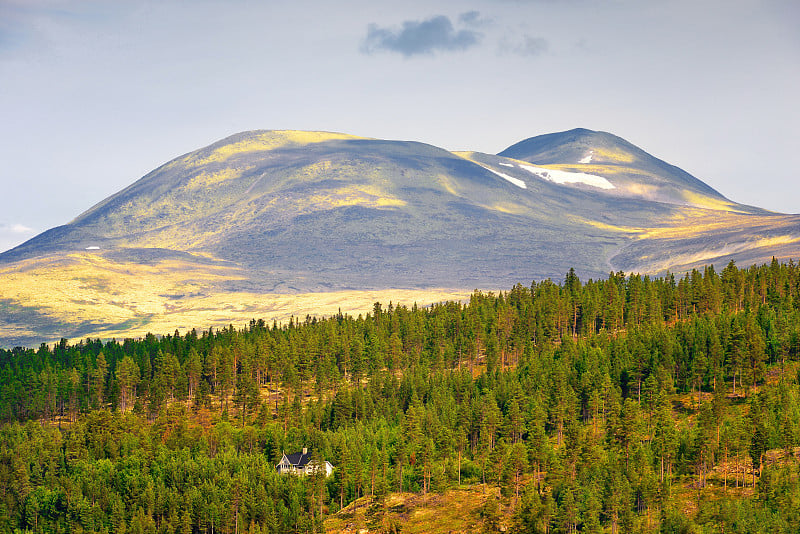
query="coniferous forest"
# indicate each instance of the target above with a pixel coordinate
(630, 404)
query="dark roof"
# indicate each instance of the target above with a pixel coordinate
(298, 459)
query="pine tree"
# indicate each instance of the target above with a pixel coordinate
(127, 374)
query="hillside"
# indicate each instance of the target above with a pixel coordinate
(625, 405)
(237, 229)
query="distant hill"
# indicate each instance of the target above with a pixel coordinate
(219, 233)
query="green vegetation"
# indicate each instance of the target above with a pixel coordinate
(628, 404)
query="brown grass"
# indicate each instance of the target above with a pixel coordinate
(453, 511)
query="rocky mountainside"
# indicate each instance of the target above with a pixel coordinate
(228, 227)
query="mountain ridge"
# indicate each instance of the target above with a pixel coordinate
(270, 212)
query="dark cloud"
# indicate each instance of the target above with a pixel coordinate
(526, 45)
(470, 17)
(420, 37)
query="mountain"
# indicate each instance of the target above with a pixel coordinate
(270, 223)
(630, 169)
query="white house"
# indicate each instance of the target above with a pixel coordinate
(301, 463)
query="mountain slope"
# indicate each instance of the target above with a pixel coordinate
(219, 232)
(632, 171)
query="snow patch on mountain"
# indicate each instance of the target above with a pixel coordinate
(515, 181)
(564, 177)
(587, 158)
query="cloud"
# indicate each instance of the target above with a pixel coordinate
(421, 37)
(15, 234)
(26, 24)
(19, 229)
(474, 19)
(13, 30)
(525, 45)
(15, 228)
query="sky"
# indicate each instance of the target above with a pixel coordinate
(96, 94)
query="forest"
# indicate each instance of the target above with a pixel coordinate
(628, 404)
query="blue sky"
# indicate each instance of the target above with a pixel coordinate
(95, 94)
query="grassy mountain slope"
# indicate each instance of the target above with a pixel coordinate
(224, 232)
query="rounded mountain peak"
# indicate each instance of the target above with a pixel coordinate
(610, 156)
(259, 141)
(579, 145)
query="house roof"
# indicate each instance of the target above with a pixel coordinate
(298, 459)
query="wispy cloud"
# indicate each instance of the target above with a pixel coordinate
(30, 23)
(14, 234)
(15, 228)
(474, 19)
(14, 28)
(417, 37)
(523, 45)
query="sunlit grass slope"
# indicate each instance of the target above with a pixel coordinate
(697, 237)
(82, 295)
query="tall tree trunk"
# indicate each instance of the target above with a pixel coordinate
(726, 470)
(459, 468)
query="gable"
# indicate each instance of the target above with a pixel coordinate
(302, 462)
(298, 459)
